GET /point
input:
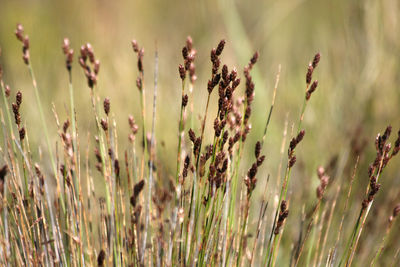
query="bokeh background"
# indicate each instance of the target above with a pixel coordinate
(357, 97)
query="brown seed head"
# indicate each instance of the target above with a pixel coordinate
(220, 47)
(309, 74)
(316, 60)
(104, 124)
(65, 126)
(185, 100)
(3, 172)
(19, 32)
(260, 160)
(18, 98)
(283, 205)
(253, 60)
(182, 72)
(292, 161)
(185, 52)
(192, 135)
(101, 257)
(22, 134)
(106, 105)
(313, 87)
(257, 149)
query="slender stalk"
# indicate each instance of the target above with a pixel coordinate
(152, 152)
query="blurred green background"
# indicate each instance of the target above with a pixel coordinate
(358, 73)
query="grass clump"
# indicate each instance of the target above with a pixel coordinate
(121, 206)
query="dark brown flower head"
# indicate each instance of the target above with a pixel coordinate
(316, 60)
(300, 136)
(295, 141)
(224, 138)
(140, 60)
(17, 116)
(216, 79)
(313, 87)
(196, 146)
(116, 167)
(3, 172)
(65, 126)
(104, 124)
(260, 160)
(136, 191)
(309, 74)
(283, 205)
(185, 100)
(182, 72)
(15, 108)
(92, 71)
(97, 154)
(21, 134)
(185, 167)
(185, 52)
(187, 162)
(220, 47)
(106, 105)
(213, 55)
(283, 214)
(235, 83)
(210, 86)
(138, 187)
(387, 133)
(18, 98)
(101, 257)
(192, 135)
(225, 76)
(19, 32)
(253, 60)
(257, 149)
(217, 128)
(292, 161)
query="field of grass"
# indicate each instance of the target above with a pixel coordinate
(204, 133)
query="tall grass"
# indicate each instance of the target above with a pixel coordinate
(135, 212)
